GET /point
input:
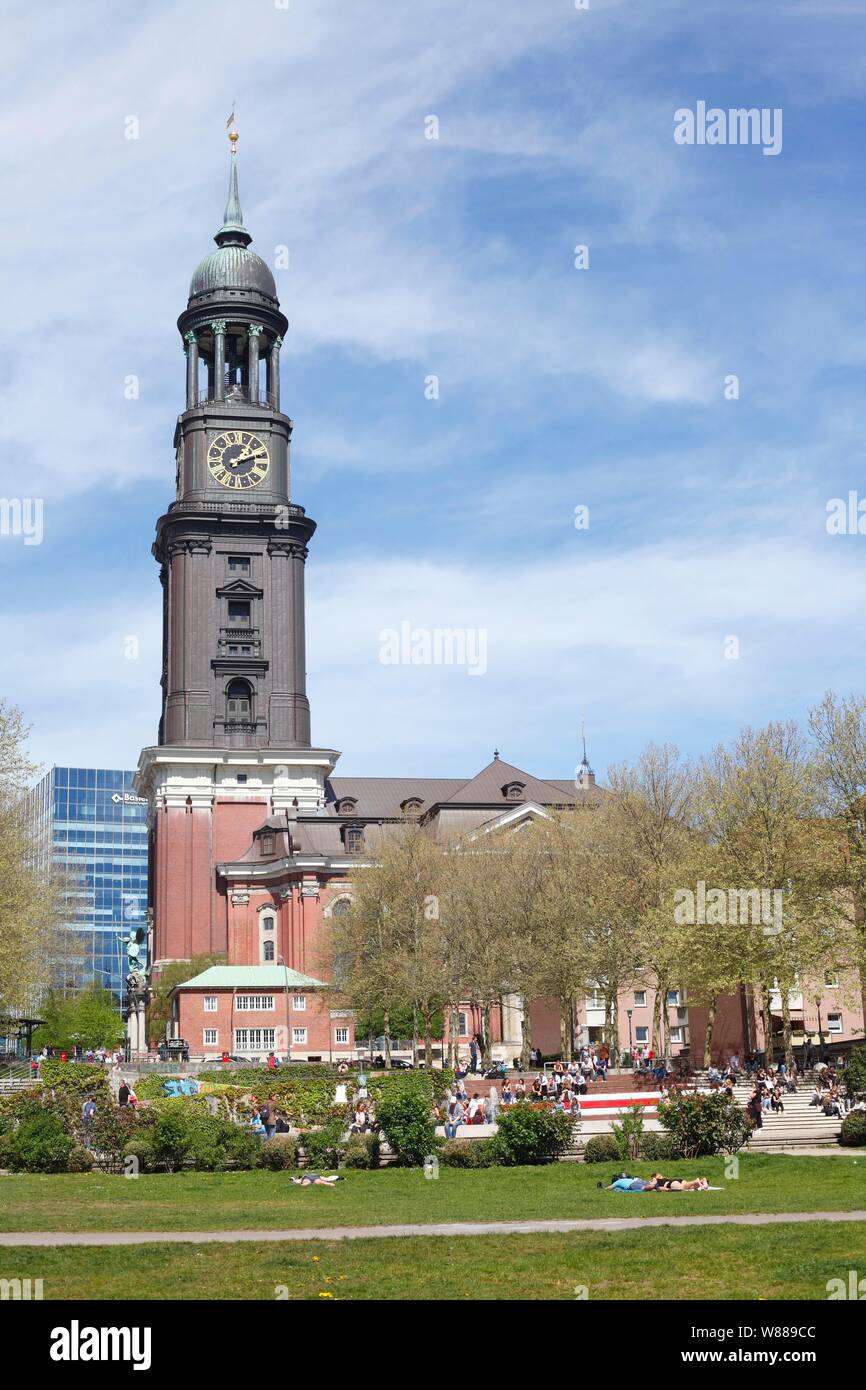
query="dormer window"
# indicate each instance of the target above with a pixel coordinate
(266, 843)
(513, 791)
(411, 806)
(353, 838)
(346, 806)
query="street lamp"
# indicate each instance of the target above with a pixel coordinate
(628, 1016)
(282, 961)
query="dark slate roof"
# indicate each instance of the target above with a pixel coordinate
(382, 796)
(489, 784)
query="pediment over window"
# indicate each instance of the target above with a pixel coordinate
(239, 588)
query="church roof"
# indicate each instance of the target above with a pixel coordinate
(233, 266)
(383, 796)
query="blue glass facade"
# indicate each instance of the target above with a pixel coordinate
(92, 828)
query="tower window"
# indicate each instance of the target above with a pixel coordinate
(239, 564)
(238, 703)
(239, 612)
(268, 950)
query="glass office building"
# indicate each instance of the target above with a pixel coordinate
(91, 828)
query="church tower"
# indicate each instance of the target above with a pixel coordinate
(234, 733)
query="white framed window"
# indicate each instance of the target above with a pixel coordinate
(341, 1036)
(640, 998)
(834, 1023)
(676, 1035)
(210, 1003)
(831, 980)
(462, 1026)
(673, 998)
(299, 1003)
(254, 1003)
(254, 1039)
(211, 1037)
(299, 1036)
(641, 1034)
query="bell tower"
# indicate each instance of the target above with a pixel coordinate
(234, 733)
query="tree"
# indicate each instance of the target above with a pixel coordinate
(389, 943)
(87, 1019)
(31, 904)
(778, 864)
(839, 730)
(177, 972)
(651, 810)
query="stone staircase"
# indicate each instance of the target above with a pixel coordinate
(801, 1125)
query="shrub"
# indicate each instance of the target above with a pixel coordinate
(403, 1115)
(171, 1140)
(324, 1147)
(360, 1153)
(532, 1136)
(629, 1132)
(701, 1124)
(112, 1129)
(79, 1161)
(658, 1147)
(278, 1153)
(243, 1149)
(139, 1147)
(853, 1132)
(468, 1153)
(74, 1078)
(601, 1148)
(854, 1075)
(40, 1145)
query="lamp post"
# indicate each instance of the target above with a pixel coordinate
(628, 1016)
(282, 961)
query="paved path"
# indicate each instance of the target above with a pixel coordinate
(454, 1228)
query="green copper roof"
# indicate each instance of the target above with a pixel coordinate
(233, 232)
(251, 977)
(233, 267)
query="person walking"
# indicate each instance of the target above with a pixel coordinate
(123, 1094)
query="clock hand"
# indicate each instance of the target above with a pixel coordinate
(248, 454)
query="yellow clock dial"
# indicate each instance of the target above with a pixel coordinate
(238, 459)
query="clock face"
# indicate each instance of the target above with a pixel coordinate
(238, 459)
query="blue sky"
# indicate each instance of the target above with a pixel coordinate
(411, 257)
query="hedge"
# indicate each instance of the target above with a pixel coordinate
(853, 1131)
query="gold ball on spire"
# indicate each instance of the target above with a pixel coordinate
(233, 137)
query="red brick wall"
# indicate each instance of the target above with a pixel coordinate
(193, 1019)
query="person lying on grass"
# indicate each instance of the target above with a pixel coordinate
(318, 1180)
(622, 1182)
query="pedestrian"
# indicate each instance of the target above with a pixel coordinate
(88, 1115)
(268, 1116)
(123, 1094)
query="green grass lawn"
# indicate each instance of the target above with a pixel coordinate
(733, 1262)
(267, 1201)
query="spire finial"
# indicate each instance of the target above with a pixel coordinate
(496, 755)
(233, 232)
